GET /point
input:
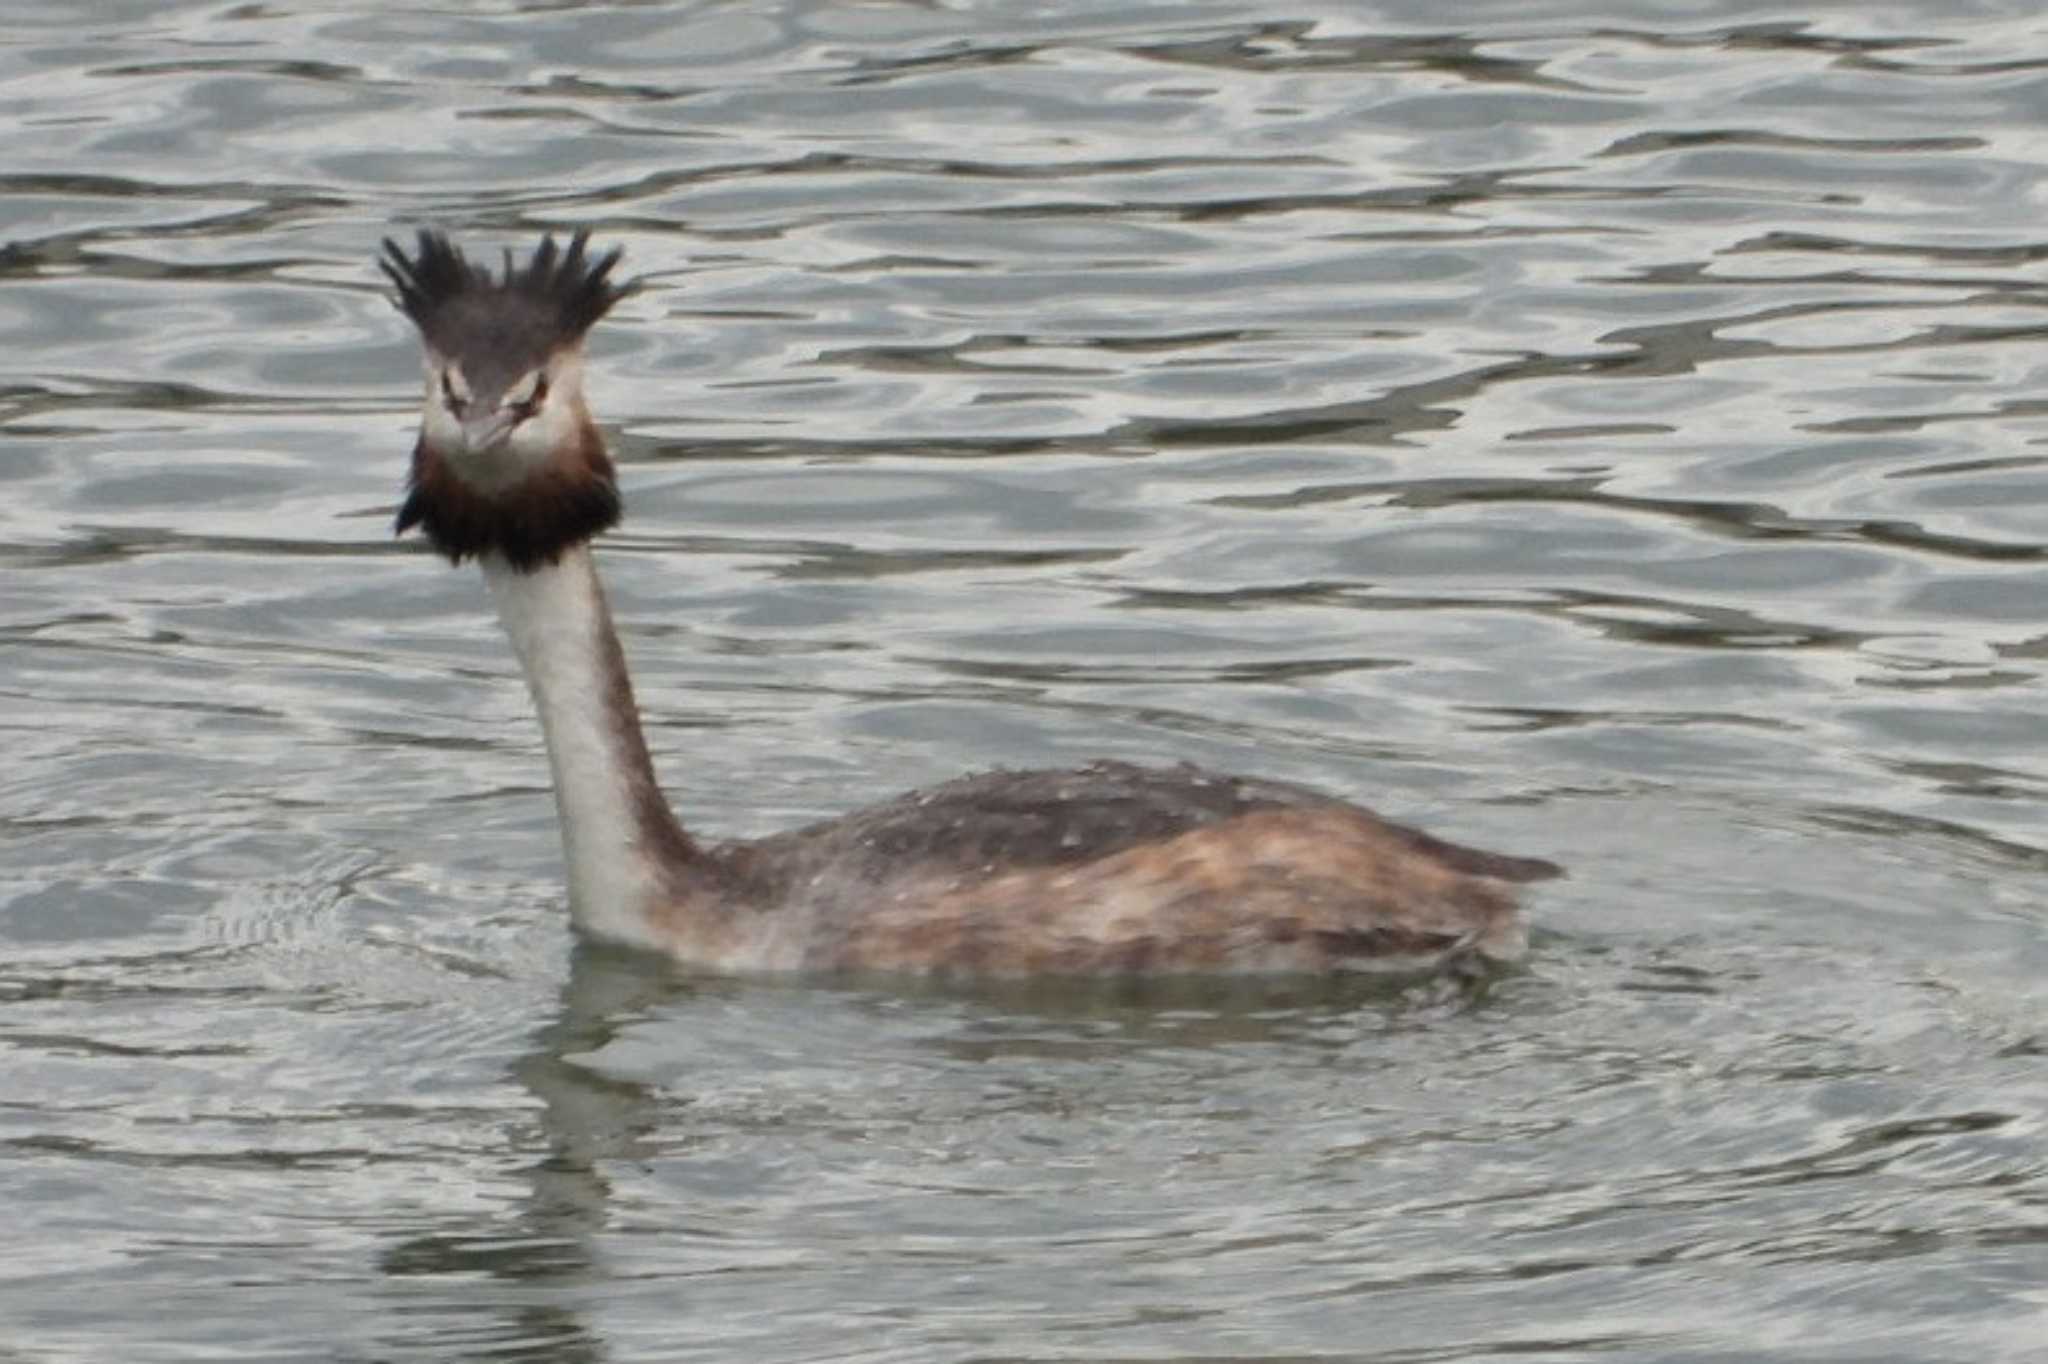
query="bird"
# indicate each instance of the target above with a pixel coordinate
(1109, 869)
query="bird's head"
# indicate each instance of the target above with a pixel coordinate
(509, 459)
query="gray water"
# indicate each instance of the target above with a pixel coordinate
(1612, 432)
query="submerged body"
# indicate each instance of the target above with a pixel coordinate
(1109, 869)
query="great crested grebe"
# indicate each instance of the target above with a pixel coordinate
(1108, 869)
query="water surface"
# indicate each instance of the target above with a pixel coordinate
(1610, 432)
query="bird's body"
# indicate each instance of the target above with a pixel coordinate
(1108, 869)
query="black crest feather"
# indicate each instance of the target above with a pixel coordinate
(557, 295)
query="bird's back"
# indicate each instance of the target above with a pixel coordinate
(1113, 869)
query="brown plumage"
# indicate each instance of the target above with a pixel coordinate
(567, 503)
(1115, 869)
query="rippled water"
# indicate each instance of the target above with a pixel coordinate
(1608, 432)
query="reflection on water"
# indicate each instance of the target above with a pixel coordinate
(541, 1251)
(1588, 432)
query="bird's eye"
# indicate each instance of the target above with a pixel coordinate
(531, 403)
(456, 402)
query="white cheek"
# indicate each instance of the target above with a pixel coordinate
(439, 426)
(518, 452)
(536, 439)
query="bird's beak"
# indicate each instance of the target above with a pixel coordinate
(487, 429)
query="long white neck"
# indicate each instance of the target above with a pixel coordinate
(627, 856)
